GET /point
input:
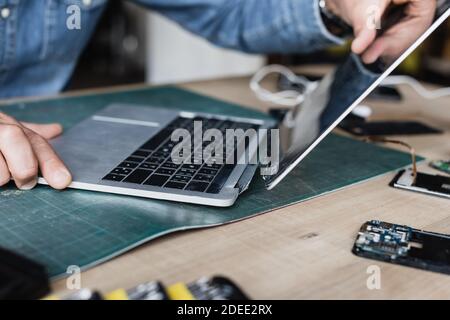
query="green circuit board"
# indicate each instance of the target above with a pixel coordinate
(443, 166)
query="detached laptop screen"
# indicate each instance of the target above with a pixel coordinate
(337, 95)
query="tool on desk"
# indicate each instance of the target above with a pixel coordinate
(441, 165)
(403, 245)
(359, 126)
(214, 288)
(86, 295)
(21, 278)
(153, 290)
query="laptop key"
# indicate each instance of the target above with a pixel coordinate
(156, 180)
(155, 160)
(138, 176)
(122, 171)
(175, 185)
(114, 177)
(210, 172)
(134, 159)
(148, 166)
(170, 165)
(170, 145)
(179, 178)
(191, 166)
(129, 165)
(197, 186)
(168, 172)
(213, 166)
(203, 177)
(186, 172)
(157, 140)
(161, 154)
(141, 153)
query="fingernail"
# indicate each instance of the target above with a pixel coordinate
(61, 177)
(29, 185)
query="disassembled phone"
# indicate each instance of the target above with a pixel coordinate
(435, 185)
(403, 245)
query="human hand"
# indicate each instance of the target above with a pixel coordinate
(419, 15)
(24, 149)
(365, 17)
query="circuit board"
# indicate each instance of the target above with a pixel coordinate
(443, 166)
(403, 245)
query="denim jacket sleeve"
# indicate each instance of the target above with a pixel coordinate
(254, 26)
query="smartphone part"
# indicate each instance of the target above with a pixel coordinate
(403, 245)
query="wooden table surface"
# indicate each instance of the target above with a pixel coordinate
(302, 251)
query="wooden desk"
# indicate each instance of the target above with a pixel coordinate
(303, 251)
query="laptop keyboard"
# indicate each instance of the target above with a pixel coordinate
(151, 164)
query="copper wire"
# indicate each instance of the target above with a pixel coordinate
(402, 143)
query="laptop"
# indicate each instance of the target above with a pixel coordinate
(160, 153)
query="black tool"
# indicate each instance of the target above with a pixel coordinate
(21, 278)
(360, 127)
(216, 288)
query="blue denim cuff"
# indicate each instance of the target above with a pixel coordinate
(308, 14)
(365, 71)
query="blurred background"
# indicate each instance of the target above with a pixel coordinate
(133, 45)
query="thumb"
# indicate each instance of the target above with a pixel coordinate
(47, 131)
(363, 39)
(376, 50)
(367, 19)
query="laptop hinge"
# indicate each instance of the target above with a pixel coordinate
(246, 178)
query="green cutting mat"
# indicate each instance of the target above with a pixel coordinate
(83, 228)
